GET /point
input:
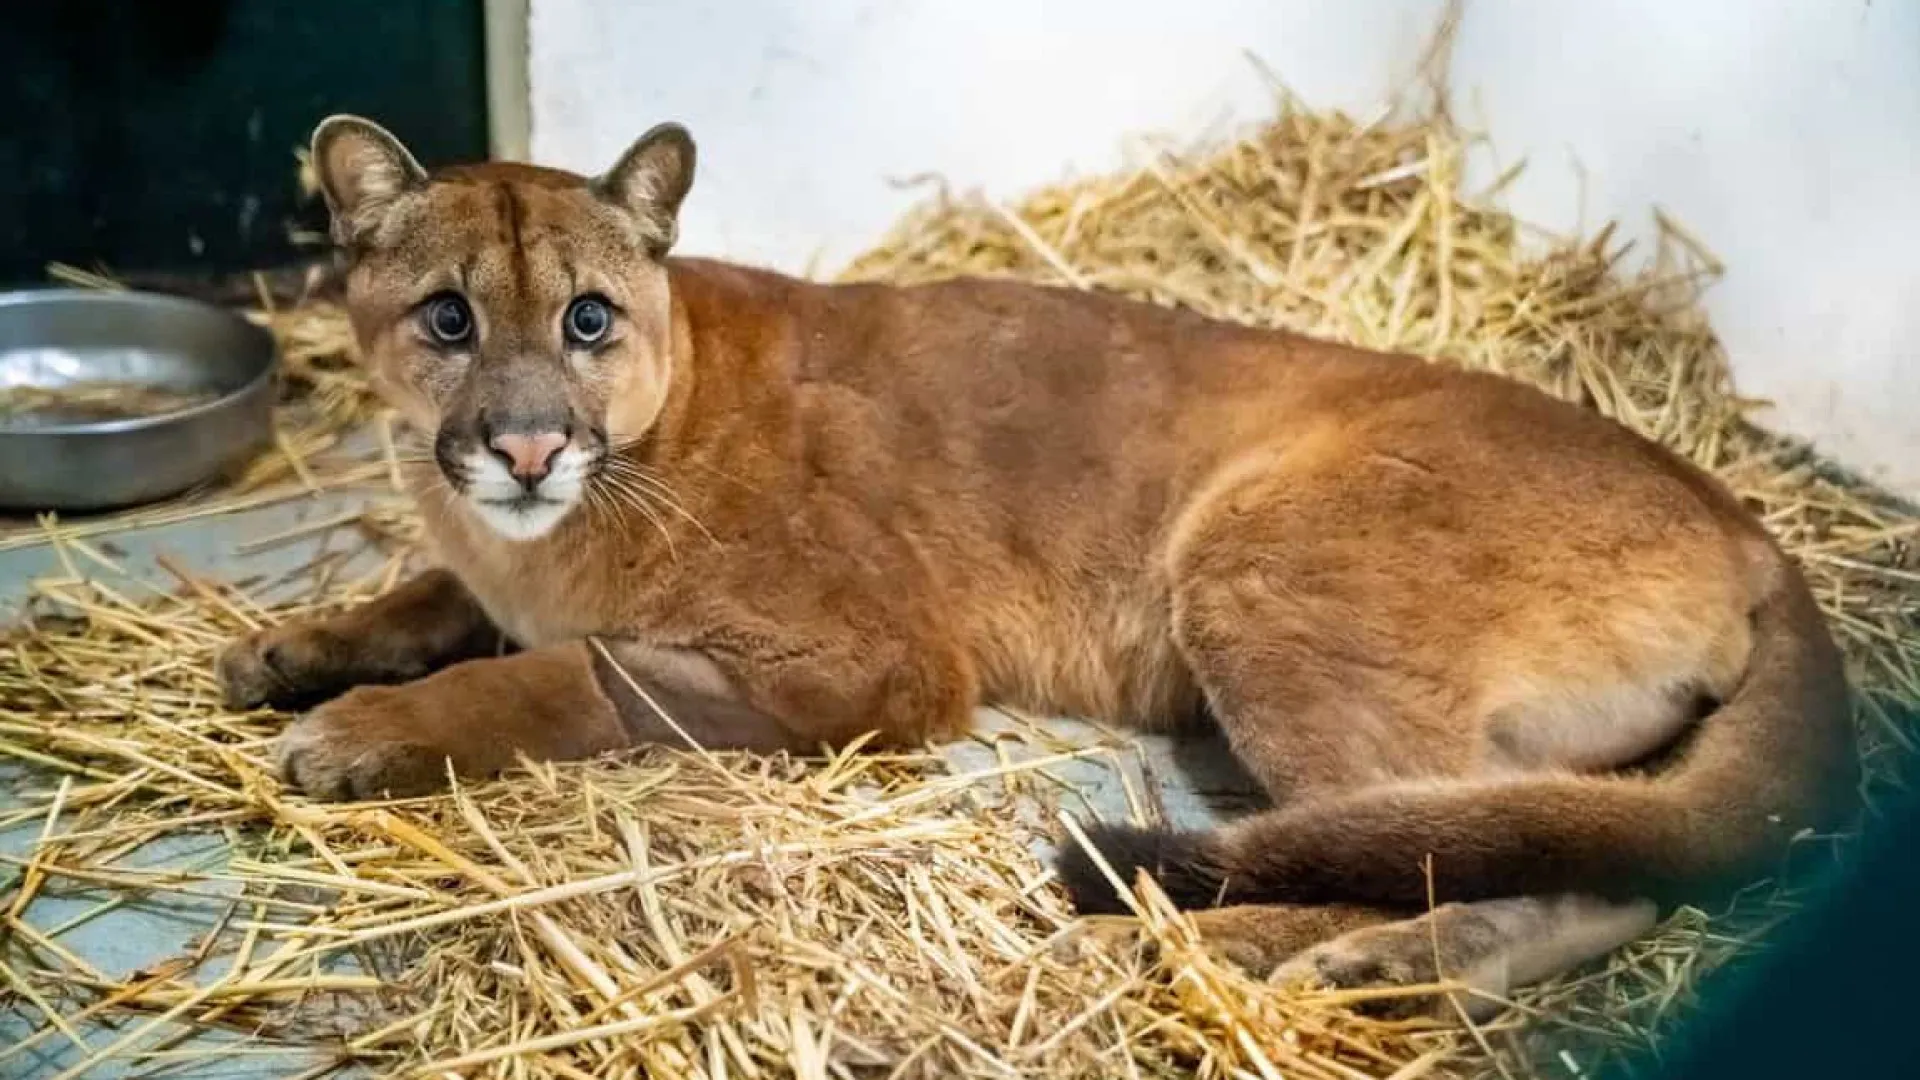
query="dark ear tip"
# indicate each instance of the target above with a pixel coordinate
(670, 131)
(674, 135)
(332, 126)
(347, 123)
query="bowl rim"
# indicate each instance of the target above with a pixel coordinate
(122, 425)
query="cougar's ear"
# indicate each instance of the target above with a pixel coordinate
(650, 180)
(362, 169)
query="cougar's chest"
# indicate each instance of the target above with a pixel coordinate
(533, 608)
(540, 592)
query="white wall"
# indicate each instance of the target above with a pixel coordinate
(1786, 133)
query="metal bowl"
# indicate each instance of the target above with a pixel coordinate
(53, 338)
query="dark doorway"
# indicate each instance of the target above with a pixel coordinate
(151, 136)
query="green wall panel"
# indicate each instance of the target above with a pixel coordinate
(160, 136)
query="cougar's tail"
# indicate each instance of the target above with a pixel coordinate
(1776, 757)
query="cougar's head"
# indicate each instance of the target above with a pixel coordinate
(519, 314)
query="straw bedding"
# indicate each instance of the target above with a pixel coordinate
(686, 914)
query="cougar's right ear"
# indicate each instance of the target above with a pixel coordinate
(362, 169)
(651, 180)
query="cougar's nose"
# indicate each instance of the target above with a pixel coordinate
(529, 457)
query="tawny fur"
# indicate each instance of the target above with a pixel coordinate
(1436, 613)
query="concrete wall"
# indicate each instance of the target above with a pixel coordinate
(1786, 133)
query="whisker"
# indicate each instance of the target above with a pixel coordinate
(591, 500)
(610, 508)
(722, 474)
(654, 491)
(661, 491)
(636, 498)
(442, 489)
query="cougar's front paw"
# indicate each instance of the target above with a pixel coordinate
(282, 666)
(368, 744)
(246, 670)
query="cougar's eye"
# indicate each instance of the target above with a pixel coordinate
(448, 319)
(588, 320)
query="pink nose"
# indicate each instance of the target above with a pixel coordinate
(529, 457)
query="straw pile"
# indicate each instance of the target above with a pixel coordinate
(683, 914)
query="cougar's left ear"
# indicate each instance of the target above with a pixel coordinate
(362, 170)
(650, 180)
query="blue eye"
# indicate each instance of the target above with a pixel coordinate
(449, 320)
(588, 320)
